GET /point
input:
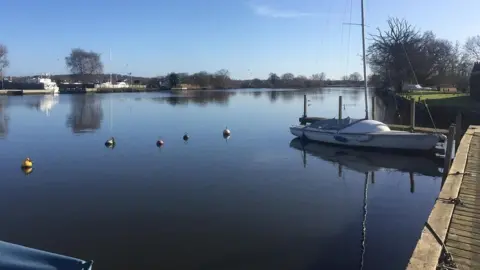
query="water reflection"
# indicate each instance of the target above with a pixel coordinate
(367, 161)
(197, 97)
(86, 113)
(45, 104)
(3, 117)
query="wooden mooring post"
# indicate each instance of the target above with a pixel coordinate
(412, 114)
(304, 106)
(448, 153)
(458, 129)
(373, 107)
(340, 105)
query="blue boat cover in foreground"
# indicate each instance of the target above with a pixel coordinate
(16, 257)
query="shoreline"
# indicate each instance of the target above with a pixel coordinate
(21, 92)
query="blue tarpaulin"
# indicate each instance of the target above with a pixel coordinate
(16, 257)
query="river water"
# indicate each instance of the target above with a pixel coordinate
(257, 200)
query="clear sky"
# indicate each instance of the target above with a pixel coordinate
(249, 38)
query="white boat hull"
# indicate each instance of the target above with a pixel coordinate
(386, 139)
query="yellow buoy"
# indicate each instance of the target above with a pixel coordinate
(27, 163)
(27, 171)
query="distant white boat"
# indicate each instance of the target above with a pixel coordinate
(48, 84)
(365, 132)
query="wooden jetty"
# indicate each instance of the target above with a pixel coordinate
(412, 128)
(450, 238)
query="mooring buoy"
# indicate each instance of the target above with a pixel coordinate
(185, 137)
(27, 171)
(27, 163)
(110, 142)
(226, 132)
(159, 143)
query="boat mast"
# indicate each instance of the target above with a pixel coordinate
(364, 62)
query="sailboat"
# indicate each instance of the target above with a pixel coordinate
(16, 257)
(365, 132)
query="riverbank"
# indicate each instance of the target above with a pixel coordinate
(432, 109)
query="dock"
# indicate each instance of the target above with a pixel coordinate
(450, 238)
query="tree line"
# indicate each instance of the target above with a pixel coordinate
(402, 54)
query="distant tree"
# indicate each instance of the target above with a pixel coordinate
(288, 77)
(472, 48)
(173, 79)
(273, 79)
(318, 76)
(221, 79)
(345, 78)
(3, 61)
(201, 79)
(356, 77)
(83, 63)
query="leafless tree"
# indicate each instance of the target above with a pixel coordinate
(472, 48)
(356, 77)
(288, 77)
(3, 61)
(318, 76)
(402, 54)
(81, 62)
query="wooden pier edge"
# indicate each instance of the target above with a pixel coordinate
(428, 250)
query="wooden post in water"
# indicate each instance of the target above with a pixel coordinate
(372, 177)
(412, 183)
(304, 106)
(448, 153)
(412, 114)
(340, 105)
(373, 107)
(458, 129)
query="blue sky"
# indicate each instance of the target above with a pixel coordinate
(249, 38)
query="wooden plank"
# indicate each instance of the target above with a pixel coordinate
(466, 228)
(461, 245)
(461, 232)
(427, 252)
(471, 259)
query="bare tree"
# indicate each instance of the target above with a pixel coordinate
(356, 77)
(472, 48)
(288, 77)
(82, 63)
(3, 60)
(401, 54)
(318, 76)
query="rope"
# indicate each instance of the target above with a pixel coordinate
(364, 222)
(446, 258)
(431, 118)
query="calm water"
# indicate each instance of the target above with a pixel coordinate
(258, 200)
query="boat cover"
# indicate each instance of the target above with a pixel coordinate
(16, 257)
(333, 123)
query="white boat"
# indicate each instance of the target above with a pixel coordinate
(365, 132)
(16, 257)
(48, 84)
